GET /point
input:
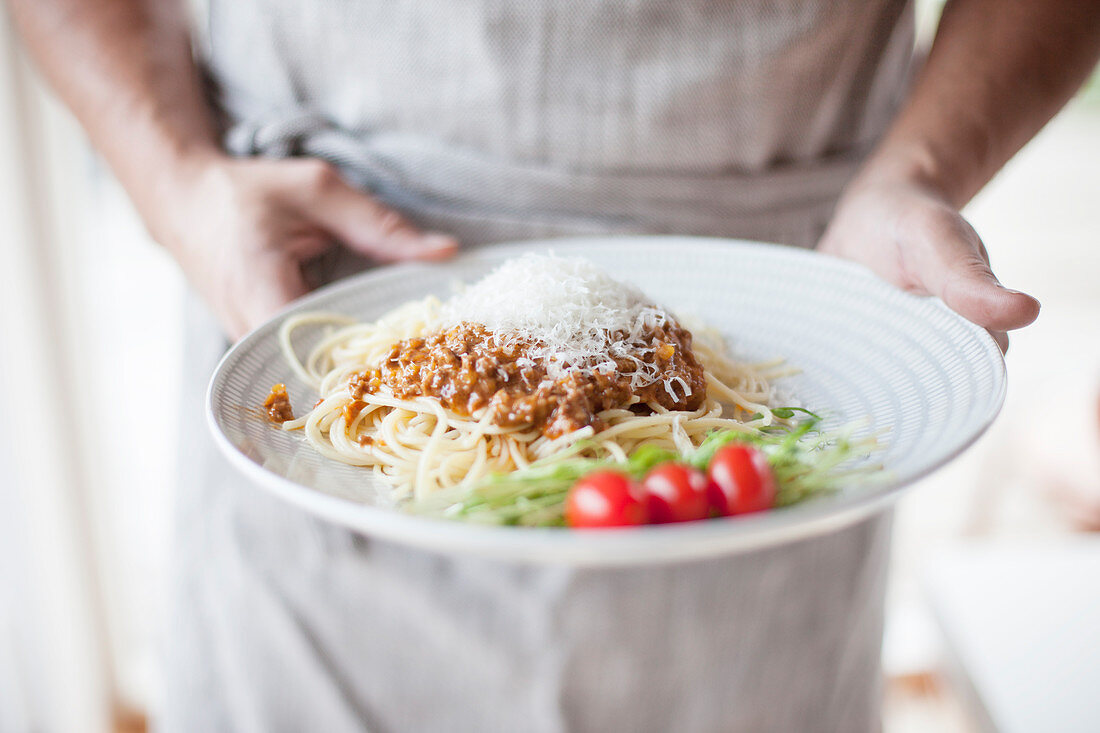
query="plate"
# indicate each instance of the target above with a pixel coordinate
(927, 380)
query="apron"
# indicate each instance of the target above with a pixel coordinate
(495, 121)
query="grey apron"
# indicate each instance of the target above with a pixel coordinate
(506, 120)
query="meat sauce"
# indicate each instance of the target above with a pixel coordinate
(277, 405)
(467, 370)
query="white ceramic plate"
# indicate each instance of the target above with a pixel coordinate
(930, 379)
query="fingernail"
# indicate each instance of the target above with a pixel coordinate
(434, 240)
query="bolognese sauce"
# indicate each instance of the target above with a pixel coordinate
(468, 370)
(277, 405)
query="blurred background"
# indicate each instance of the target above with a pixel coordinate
(996, 583)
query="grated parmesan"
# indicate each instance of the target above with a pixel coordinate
(573, 314)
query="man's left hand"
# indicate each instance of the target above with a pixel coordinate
(915, 239)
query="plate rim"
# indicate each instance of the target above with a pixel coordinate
(725, 536)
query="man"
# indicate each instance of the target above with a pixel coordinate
(494, 120)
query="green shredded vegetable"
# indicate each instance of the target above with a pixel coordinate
(807, 462)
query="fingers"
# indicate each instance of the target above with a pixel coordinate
(1001, 338)
(363, 224)
(979, 298)
(913, 238)
(949, 260)
(256, 222)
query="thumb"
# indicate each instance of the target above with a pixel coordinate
(953, 265)
(363, 224)
(275, 279)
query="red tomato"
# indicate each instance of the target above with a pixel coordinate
(741, 481)
(604, 499)
(675, 493)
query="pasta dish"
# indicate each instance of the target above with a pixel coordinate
(544, 356)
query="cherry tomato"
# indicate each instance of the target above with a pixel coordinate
(741, 481)
(604, 499)
(675, 493)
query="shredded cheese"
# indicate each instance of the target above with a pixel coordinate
(574, 315)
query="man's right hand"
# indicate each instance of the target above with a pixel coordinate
(242, 228)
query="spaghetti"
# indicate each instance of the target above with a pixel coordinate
(438, 395)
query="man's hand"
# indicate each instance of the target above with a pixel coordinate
(996, 73)
(242, 228)
(918, 241)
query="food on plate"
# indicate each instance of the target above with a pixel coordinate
(732, 473)
(740, 480)
(277, 405)
(675, 492)
(546, 362)
(605, 499)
